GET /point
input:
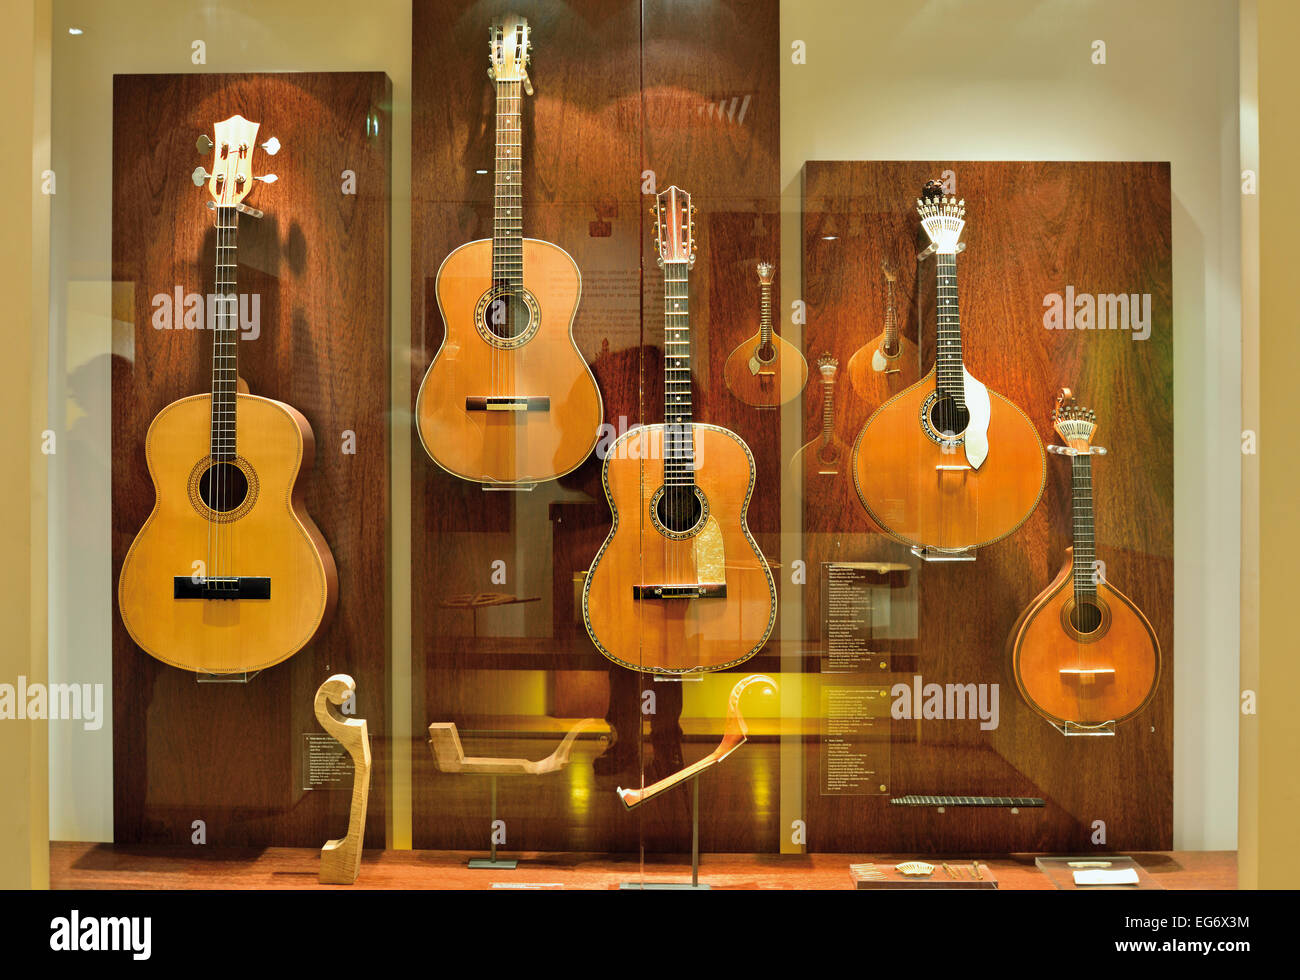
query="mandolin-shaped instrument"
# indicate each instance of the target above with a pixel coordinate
(679, 585)
(887, 363)
(229, 574)
(1082, 653)
(509, 398)
(825, 458)
(766, 370)
(946, 464)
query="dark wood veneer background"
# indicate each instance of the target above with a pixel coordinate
(230, 754)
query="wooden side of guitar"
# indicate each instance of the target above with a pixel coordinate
(274, 537)
(895, 470)
(509, 447)
(676, 635)
(1039, 647)
(788, 373)
(878, 378)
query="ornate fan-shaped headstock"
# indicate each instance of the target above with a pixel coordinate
(765, 271)
(827, 365)
(891, 274)
(1075, 424)
(941, 217)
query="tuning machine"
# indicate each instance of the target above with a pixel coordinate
(200, 176)
(267, 178)
(204, 144)
(271, 146)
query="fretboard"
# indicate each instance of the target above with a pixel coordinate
(225, 338)
(948, 364)
(828, 408)
(1085, 578)
(1011, 801)
(891, 318)
(765, 331)
(679, 436)
(507, 220)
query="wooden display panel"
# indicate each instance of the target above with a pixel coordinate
(1032, 230)
(691, 95)
(224, 753)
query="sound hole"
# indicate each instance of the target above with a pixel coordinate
(1085, 616)
(679, 509)
(223, 487)
(766, 352)
(948, 418)
(508, 316)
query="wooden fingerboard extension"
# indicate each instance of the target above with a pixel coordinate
(1009, 801)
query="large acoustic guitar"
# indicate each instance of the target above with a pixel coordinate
(679, 585)
(1082, 653)
(766, 370)
(229, 573)
(887, 363)
(508, 399)
(946, 464)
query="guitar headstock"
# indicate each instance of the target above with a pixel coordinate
(509, 51)
(891, 274)
(765, 272)
(232, 145)
(827, 365)
(941, 217)
(674, 226)
(1075, 424)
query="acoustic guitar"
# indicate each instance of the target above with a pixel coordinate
(946, 464)
(766, 370)
(679, 584)
(887, 363)
(229, 574)
(508, 399)
(1082, 652)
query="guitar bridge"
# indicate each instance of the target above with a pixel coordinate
(221, 587)
(1088, 675)
(698, 591)
(507, 403)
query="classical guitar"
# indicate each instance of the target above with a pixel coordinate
(1082, 652)
(887, 363)
(508, 399)
(946, 464)
(229, 573)
(766, 370)
(826, 457)
(679, 585)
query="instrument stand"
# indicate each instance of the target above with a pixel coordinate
(509, 487)
(926, 553)
(242, 677)
(1073, 728)
(662, 886)
(492, 862)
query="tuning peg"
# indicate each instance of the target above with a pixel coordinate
(528, 84)
(271, 146)
(267, 179)
(200, 176)
(204, 144)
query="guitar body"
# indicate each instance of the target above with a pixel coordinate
(508, 446)
(268, 534)
(678, 635)
(1107, 674)
(877, 376)
(896, 469)
(766, 383)
(820, 462)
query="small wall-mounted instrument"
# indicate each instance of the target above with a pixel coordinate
(766, 370)
(679, 585)
(1082, 653)
(229, 574)
(509, 398)
(948, 465)
(889, 362)
(826, 457)
(340, 860)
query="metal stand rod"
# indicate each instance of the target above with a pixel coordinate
(492, 821)
(695, 831)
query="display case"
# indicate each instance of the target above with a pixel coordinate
(649, 444)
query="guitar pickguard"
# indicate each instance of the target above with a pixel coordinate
(976, 436)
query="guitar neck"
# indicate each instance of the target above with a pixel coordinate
(948, 360)
(1085, 577)
(828, 408)
(507, 215)
(225, 337)
(765, 308)
(891, 317)
(679, 436)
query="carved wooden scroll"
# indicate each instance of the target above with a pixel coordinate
(734, 733)
(450, 756)
(340, 860)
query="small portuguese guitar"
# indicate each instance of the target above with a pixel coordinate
(1082, 653)
(679, 584)
(509, 398)
(766, 370)
(229, 573)
(946, 464)
(887, 363)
